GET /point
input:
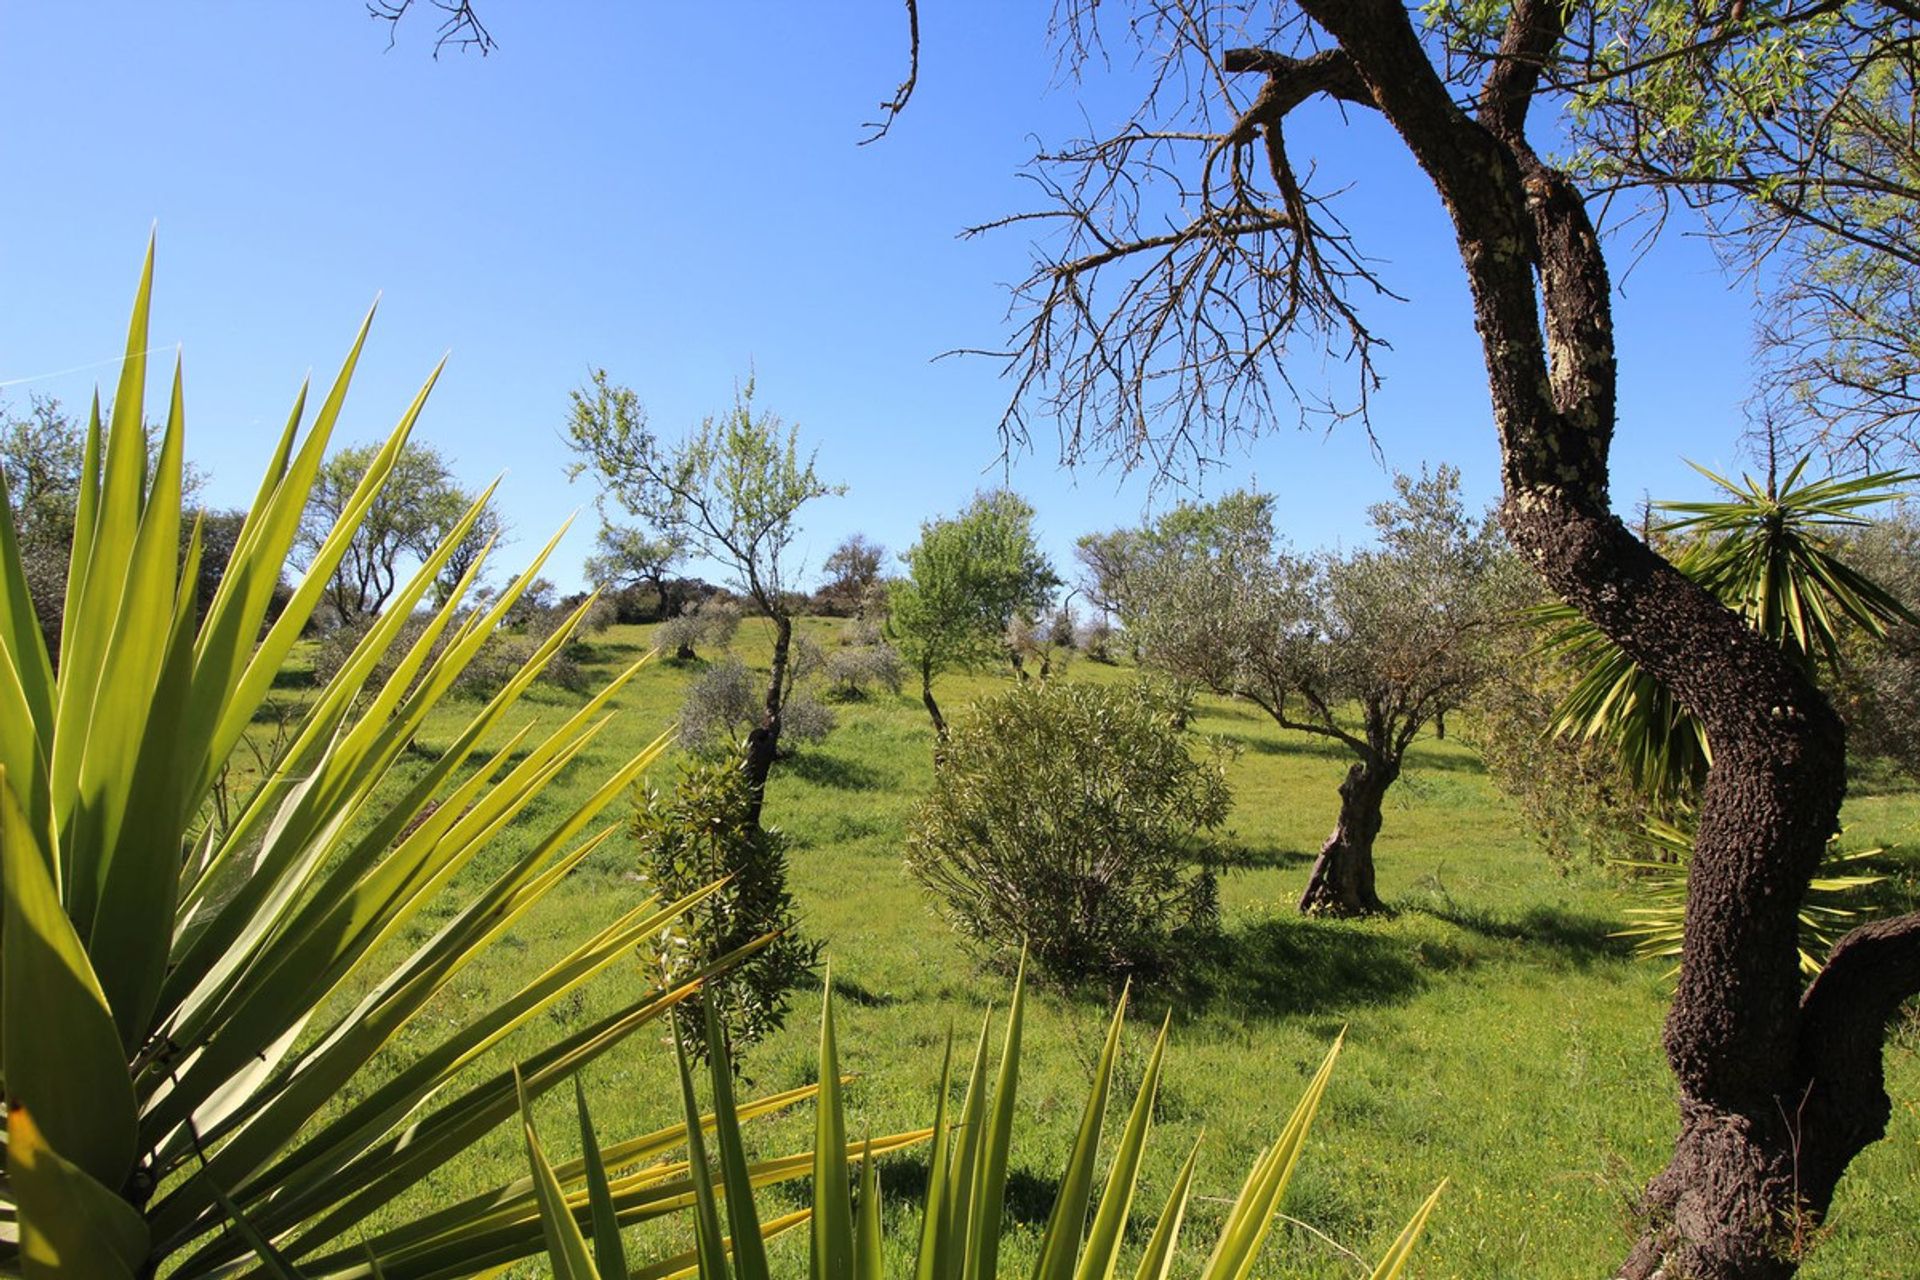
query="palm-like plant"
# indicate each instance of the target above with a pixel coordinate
(190, 1007)
(1767, 552)
(959, 1234)
(1657, 925)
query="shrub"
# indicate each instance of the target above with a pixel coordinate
(679, 637)
(1070, 817)
(1063, 628)
(726, 700)
(862, 631)
(719, 618)
(1096, 641)
(700, 832)
(852, 673)
(1571, 794)
(1878, 689)
(804, 719)
(712, 622)
(720, 703)
(600, 615)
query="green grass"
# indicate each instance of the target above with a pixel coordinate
(1496, 1034)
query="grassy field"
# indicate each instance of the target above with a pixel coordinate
(1496, 1035)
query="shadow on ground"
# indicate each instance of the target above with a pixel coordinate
(837, 772)
(1576, 936)
(1295, 965)
(903, 1179)
(1242, 857)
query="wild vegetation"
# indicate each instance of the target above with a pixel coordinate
(295, 922)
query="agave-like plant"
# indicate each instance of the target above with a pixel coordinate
(959, 1234)
(1767, 552)
(189, 1008)
(1658, 920)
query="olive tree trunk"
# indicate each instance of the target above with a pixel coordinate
(1341, 883)
(1779, 1090)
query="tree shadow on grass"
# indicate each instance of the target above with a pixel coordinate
(600, 651)
(1578, 937)
(858, 993)
(1242, 857)
(837, 772)
(1427, 754)
(1294, 744)
(1301, 966)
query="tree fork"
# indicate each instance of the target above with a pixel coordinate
(1767, 1125)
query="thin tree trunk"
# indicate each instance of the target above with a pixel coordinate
(665, 601)
(933, 708)
(1341, 883)
(763, 741)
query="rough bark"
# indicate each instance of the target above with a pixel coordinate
(1342, 883)
(1777, 1096)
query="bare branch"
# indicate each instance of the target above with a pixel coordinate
(1186, 257)
(461, 27)
(891, 109)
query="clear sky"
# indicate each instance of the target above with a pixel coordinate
(674, 192)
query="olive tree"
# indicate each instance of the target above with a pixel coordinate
(405, 522)
(852, 570)
(1195, 253)
(1364, 649)
(626, 555)
(968, 577)
(730, 491)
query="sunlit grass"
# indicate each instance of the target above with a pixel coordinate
(1497, 1035)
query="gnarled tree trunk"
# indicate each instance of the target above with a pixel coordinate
(1341, 883)
(1778, 1092)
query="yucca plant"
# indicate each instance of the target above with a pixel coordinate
(1768, 552)
(959, 1233)
(1659, 920)
(190, 1008)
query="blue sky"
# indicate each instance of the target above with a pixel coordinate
(674, 192)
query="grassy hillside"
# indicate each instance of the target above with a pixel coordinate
(1496, 1035)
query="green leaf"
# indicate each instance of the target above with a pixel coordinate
(932, 1260)
(71, 1227)
(709, 1242)
(990, 1186)
(565, 1248)
(271, 1259)
(868, 1259)
(1157, 1262)
(1102, 1255)
(609, 1256)
(1396, 1257)
(831, 1256)
(63, 1060)
(1060, 1243)
(749, 1252)
(1251, 1217)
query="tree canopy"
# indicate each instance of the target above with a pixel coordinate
(968, 577)
(730, 491)
(408, 516)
